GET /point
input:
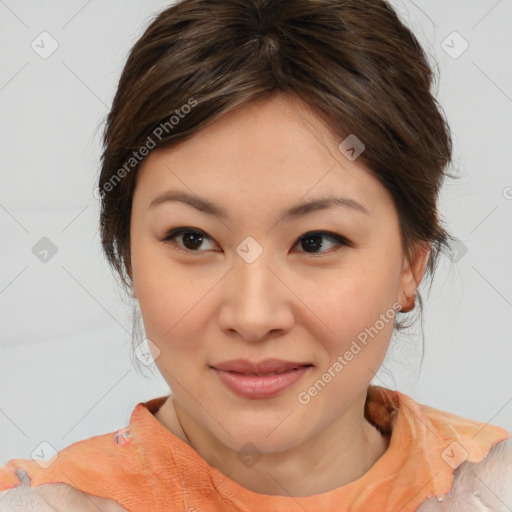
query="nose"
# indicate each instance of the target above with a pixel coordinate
(257, 304)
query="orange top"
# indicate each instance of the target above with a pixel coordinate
(145, 467)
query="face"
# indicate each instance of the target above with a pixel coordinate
(248, 282)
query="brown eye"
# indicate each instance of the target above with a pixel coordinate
(314, 241)
(192, 239)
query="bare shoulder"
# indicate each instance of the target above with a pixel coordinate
(486, 485)
(55, 497)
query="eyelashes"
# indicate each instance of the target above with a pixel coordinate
(311, 239)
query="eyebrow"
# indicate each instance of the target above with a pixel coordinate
(299, 210)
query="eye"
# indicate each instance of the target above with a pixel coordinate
(192, 239)
(313, 240)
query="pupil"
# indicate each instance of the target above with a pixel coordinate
(189, 237)
(313, 245)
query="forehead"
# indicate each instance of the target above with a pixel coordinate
(273, 150)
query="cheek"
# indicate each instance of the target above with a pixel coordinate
(374, 280)
(364, 286)
(356, 305)
(164, 307)
(175, 309)
(161, 293)
(361, 326)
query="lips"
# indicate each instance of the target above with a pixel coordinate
(265, 379)
(265, 367)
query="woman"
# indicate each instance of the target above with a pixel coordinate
(268, 187)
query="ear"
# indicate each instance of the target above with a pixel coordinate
(413, 271)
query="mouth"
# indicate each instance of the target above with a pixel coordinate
(264, 374)
(265, 379)
(265, 367)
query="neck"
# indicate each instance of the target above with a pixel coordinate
(336, 456)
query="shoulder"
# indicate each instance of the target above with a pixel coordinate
(54, 497)
(486, 485)
(494, 473)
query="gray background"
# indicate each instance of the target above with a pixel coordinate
(66, 371)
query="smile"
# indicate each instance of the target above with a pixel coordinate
(261, 384)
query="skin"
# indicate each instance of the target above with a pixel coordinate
(207, 304)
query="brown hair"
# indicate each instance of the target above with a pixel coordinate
(353, 61)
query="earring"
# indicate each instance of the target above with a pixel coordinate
(411, 301)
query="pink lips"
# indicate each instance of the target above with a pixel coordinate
(260, 380)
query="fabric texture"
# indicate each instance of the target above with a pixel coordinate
(144, 467)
